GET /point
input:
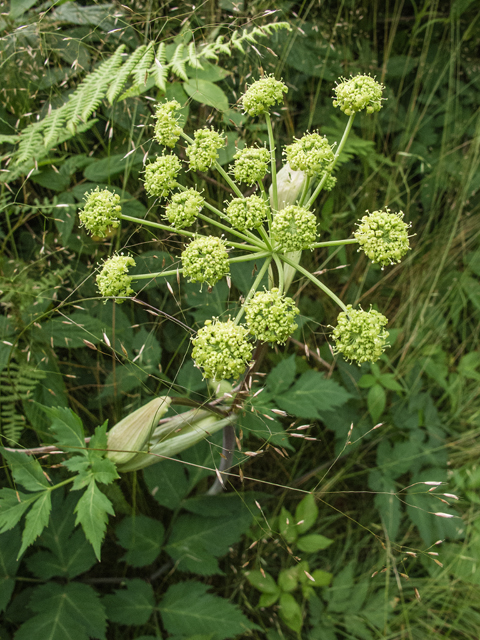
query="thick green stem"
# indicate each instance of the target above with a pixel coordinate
(335, 160)
(249, 258)
(334, 243)
(253, 288)
(281, 278)
(306, 187)
(316, 281)
(157, 225)
(273, 163)
(227, 178)
(239, 234)
(251, 236)
(267, 200)
(265, 237)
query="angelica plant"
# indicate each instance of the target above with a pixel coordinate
(270, 229)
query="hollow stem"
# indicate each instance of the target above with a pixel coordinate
(273, 164)
(253, 288)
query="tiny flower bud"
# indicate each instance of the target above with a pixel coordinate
(311, 154)
(183, 209)
(205, 259)
(133, 433)
(203, 152)
(270, 316)
(113, 280)
(167, 129)
(383, 236)
(247, 213)
(262, 95)
(160, 176)
(221, 349)
(359, 335)
(294, 228)
(357, 93)
(101, 212)
(251, 164)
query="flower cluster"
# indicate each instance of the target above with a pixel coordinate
(294, 228)
(203, 151)
(247, 213)
(167, 129)
(205, 259)
(184, 207)
(221, 349)
(262, 95)
(311, 154)
(113, 280)
(360, 92)
(101, 212)
(161, 175)
(383, 236)
(360, 335)
(251, 164)
(270, 316)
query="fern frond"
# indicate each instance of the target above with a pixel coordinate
(236, 42)
(53, 126)
(193, 60)
(121, 77)
(31, 143)
(208, 52)
(221, 47)
(159, 68)
(140, 74)
(178, 63)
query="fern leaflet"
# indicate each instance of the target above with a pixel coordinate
(121, 78)
(159, 68)
(140, 74)
(178, 63)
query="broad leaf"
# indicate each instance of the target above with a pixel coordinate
(167, 482)
(92, 513)
(262, 581)
(207, 93)
(13, 505)
(313, 542)
(8, 566)
(67, 428)
(131, 606)
(312, 395)
(376, 401)
(142, 537)
(26, 470)
(282, 376)
(36, 520)
(306, 513)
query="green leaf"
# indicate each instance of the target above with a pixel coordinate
(282, 376)
(267, 599)
(132, 605)
(291, 612)
(306, 513)
(322, 578)
(311, 395)
(262, 581)
(67, 428)
(13, 505)
(367, 381)
(187, 609)
(376, 401)
(8, 566)
(92, 513)
(72, 331)
(26, 470)
(287, 526)
(106, 168)
(388, 381)
(207, 93)
(167, 482)
(313, 542)
(288, 579)
(36, 520)
(142, 537)
(18, 7)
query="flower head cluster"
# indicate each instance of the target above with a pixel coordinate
(383, 236)
(251, 164)
(247, 213)
(311, 154)
(183, 208)
(167, 130)
(101, 212)
(160, 176)
(360, 335)
(221, 349)
(330, 182)
(203, 151)
(205, 259)
(262, 95)
(294, 228)
(113, 279)
(270, 316)
(360, 92)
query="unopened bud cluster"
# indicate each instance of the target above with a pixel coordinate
(251, 164)
(183, 208)
(360, 92)
(113, 280)
(167, 129)
(383, 236)
(205, 259)
(311, 154)
(161, 176)
(203, 152)
(247, 213)
(294, 228)
(360, 335)
(101, 212)
(271, 316)
(262, 95)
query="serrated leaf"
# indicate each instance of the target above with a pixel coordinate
(312, 395)
(26, 470)
(36, 520)
(313, 542)
(167, 483)
(67, 428)
(282, 376)
(207, 93)
(13, 505)
(92, 512)
(132, 605)
(8, 566)
(187, 609)
(142, 537)
(306, 513)
(262, 581)
(70, 562)
(376, 402)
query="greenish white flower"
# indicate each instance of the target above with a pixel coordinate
(294, 228)
(383, 236)
(247, 213)
(357, 93)
(167, 130)
(262, 95)
(205, 259)
(161, 175)
(184, 207)
(203, 152)
(113, 280)
(360, 335)
(251, 164)
(101, 212)
(312, 154)
(270, 316)
(221, 349)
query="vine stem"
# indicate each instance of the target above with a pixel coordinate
(316, 281)
(273, 164)
(253, 288)
(335, 160)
